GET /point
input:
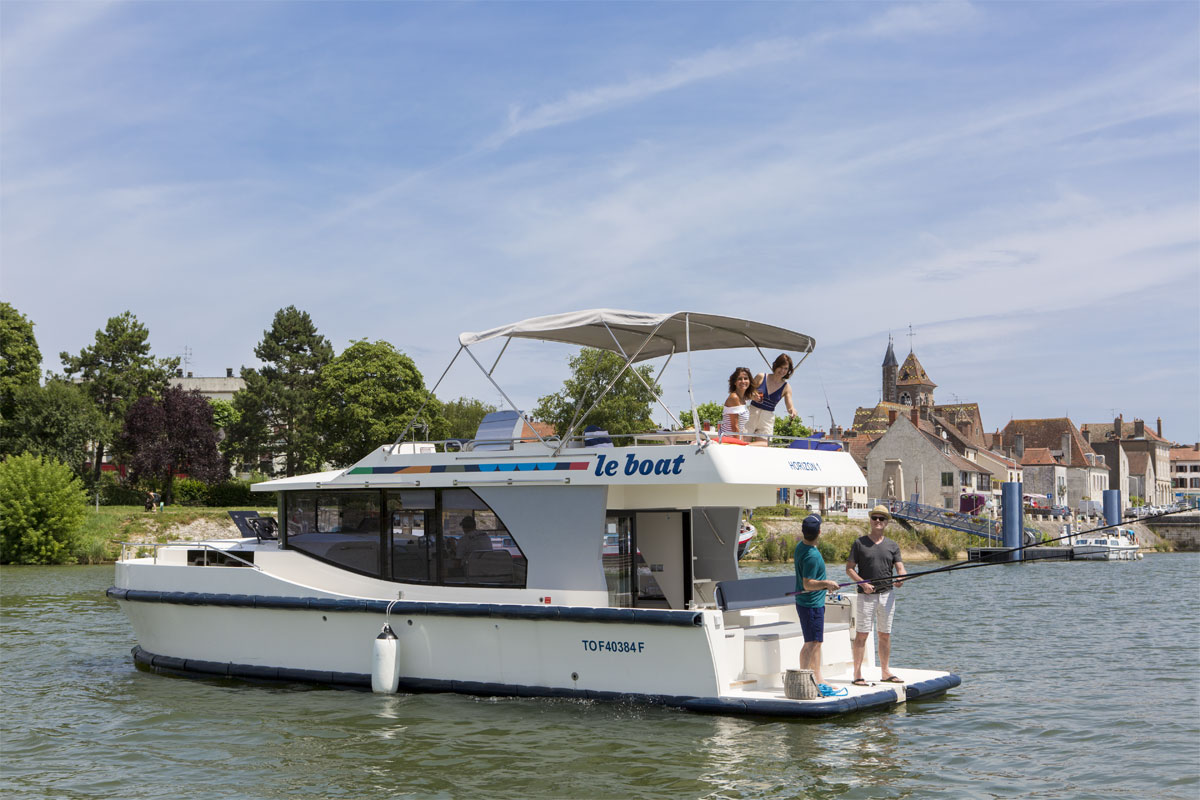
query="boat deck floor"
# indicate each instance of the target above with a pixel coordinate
(911, 677)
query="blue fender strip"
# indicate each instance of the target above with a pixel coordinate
(933, 687)
(705, 705)
(637, 616)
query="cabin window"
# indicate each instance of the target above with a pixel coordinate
(410, 540)
(339, 527)
(436, 536)
(476, 547)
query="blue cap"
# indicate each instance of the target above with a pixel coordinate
(811, 525)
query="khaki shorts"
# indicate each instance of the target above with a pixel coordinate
(761, 421)
(875, 607)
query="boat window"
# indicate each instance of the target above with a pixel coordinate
(339, 527)
(447, 536)
(412, 547)
(476, 547)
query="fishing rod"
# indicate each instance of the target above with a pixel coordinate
(994, 562)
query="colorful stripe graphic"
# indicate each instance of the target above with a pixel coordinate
(528, 466)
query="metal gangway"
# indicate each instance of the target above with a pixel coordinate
(944, 518)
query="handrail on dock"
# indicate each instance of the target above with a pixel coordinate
(944, 518)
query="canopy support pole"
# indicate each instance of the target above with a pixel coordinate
(687, 337)
(628, 360)
(511, 404)
(404, 433)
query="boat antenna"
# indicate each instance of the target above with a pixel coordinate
(821, 378)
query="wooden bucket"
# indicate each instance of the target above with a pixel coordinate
(799, 684)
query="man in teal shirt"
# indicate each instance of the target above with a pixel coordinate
(811, 586)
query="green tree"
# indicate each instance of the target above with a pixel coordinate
(709, 412)
(115, 371)
(787, 426)
(42, 506)
(463, 416)
(225, 417)
(56, 421)
(365, 398)
(173, 434)
(20, 358)
(224, 414)
(626, 407)
(277, 410)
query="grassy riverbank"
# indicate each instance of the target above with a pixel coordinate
(104, 529)
(777, 537)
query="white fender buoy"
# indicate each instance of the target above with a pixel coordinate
(385, 666)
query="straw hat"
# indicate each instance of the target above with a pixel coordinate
(880, 511)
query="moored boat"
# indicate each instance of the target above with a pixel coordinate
(1114, 545)
(588, 566)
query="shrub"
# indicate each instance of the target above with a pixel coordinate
(114, 492)
(778, 547)
(191, 492)
(42, 506)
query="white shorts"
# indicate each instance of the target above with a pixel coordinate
(869, 606)
(761, 421)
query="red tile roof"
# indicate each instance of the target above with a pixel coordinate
(1048, 433)
(1105, 430)
(1190, 453)
(1039, 457)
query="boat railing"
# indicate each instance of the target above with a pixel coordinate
(604, 439)
(132, 550)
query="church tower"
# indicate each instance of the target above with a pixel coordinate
(890, 367)
(914, 385)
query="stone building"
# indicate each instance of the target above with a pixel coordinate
(953, 430)
(917, 456)
(1185, 472)
(1087, 474)
(217, 388)
(1044, 474)
(1135, 437)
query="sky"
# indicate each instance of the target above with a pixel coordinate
(1018, 182)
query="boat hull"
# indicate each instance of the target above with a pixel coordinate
(657, 657)
(1093, 552)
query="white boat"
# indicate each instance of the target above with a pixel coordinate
(486, 561)
(1119, 545)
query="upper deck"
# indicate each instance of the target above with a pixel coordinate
(659, 471)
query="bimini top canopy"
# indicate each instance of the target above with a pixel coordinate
(640, 336)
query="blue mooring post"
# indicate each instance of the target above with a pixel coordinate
(1012, 514)
(1112, 506)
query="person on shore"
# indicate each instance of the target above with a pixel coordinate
(872, 559)
(762, 407)
(735, 416)
(811, 585)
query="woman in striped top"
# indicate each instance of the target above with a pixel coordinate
(736, 416)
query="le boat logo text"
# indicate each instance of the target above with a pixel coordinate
(639, 466)
(806, 466)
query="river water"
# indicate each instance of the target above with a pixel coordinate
(1080, 680)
